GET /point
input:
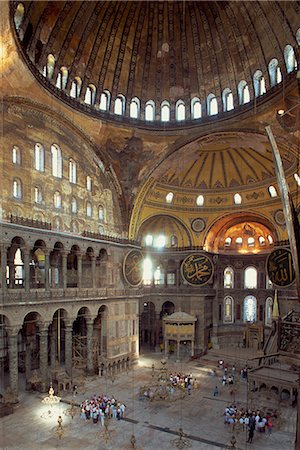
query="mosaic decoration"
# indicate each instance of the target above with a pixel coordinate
(133, 267)
(280, 268)
(198, 225)
(197, 269)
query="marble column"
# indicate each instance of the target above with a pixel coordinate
(13, 361)
(68, 349)
(64, 269)
(89, 343)
(93, 259)
(47, 266)
(3, 267)
(53, 349)
(26, 253)
(79, 270)
(11, 268)
(44, 357)
(28, 347)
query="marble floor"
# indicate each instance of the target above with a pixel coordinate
(156, 424)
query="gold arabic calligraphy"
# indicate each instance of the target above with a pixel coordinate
(197, 269)
(280, 267)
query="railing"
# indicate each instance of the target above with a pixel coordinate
(105, 237)
(30, 222)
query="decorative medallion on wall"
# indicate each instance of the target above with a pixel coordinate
(198, 225)
(133, 267)
(197, 269)
(279, 217)
(280, 268)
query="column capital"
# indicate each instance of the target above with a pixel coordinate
(43, 326)
(13, 330)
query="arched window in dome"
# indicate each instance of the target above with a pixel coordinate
(237, 199)
(261, 240)
(90, 95)
(228, 310)
(57, 200)
(174, 241)
(250, 278)
(89, 209)
(50, 66)
(290, 58)
(250, 309)
(165, 111)
(227, 98)
(56, 160)
(196, 108)
(228, 278)
(274, 72)
(101, 214)
(180, 110)
(268, 311)
(150, 111)
(160, 241)
(200, 200)
(16, 155)
(169, 197)
(19, 15)
(212, 105)
(228, 241)
(270, 239)
(298, 36)
(259, 83)
(250, 241)
(76, 87)
(297, 178)
(149, 240)
(119, 108)
(72, 171)
(135, 107)
(38, 195)
(239, 241)
(272, 191)
(17, 188)
(39, 157)
(62, 78)
(74, 206)
(105, 100)
(243, 92)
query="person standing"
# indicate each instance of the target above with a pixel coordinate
(251, 434)
(216, 391)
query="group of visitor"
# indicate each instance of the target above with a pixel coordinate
(184, 381)
(98, 408)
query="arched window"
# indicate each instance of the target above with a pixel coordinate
(39, 157)
(268, 311)
(159, 276)
(228, 241)
(149, 240)
(150, 110)
(105, 100)
(147, 271)
(160, 241)
(250, 309)
(90, 95)
(237, 199)
(19, 274)
(17, 188)
(290, 59)
(89, 183)
(261, 240)
(228, 277)
(270, 239)
(72, 171)
(38, 195)
(74, 206)
(16, 155)
(62, 78)
(19, 15)
(165, 111)
(259, 83)
(239, 241)
(244, 93)
(76, 87)
(250, 278)
(57, 200)
(250, 241)
(227, 98)
(50, 66)
(272, 191)
(173, 241)
(180, 110)
(228, 310)
(88, 209)
(298, 36)
(274, 72)
(169, 197)
(134, 109)
(101, 215)
(297, 178)
(200, 200)
(196, 108)
(212, 105)
(56, 161)
(119, 105)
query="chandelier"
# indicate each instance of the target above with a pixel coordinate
(51, 399)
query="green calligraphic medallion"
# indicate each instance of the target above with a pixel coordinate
(280, 267)
(133, 267)
(197, 270)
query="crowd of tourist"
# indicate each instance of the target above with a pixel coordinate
(99, 407)
(185, 381)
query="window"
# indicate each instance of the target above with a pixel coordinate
(147, 271)
(56, 159)
(104, 100)
(180, 110)
(268, 311)
(17, 188)
(228, 310)
(272, 191)
(173, 241)
(19, 15)
(196, 108)
(297, 178)
(212, 105)
(150, 111)
(50, 66)
(89, 183)
(165, 111)
(250, 280)
(200, 200)
(62, 78)
(39, 157)
(290, 59)
(18, 268)
(237, 199)
(239, 241)
(76, 87)
(158, 276)
(89, 209)
(74, 206)
(227, 97)
(244, 93)
(149, 240)
(261, 240)
(16, 155)
(274, 72)
(169, 197)
(72, 171)
(101, 213)
(119, 105)
(270, 239)
(250, 307)
(160, 241)
(171, 278)
(57, 200)
(90, 95)
(134, 109)
(38, 195)
(228, 278)
(259, 83)
(298, 36)
(251, 241)
(227, 242)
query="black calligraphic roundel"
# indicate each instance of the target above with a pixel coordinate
(197, 269)
(280, 267)
(133, 267)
